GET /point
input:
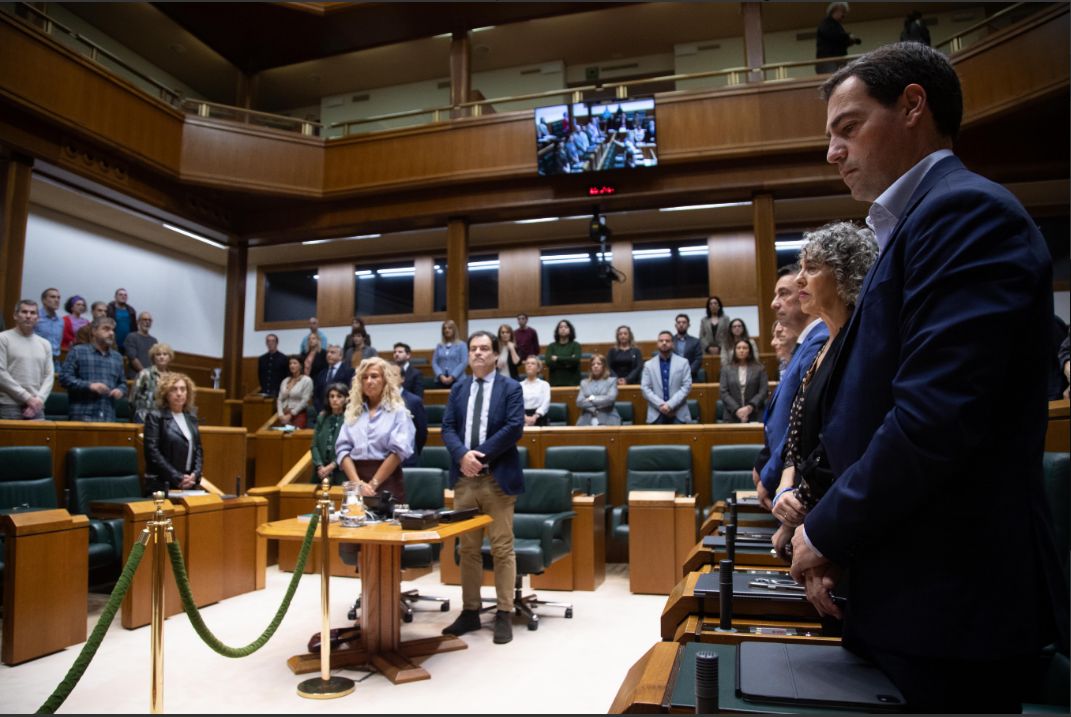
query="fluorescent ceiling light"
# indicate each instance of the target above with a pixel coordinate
(397, 271)
(327, 241)
(191, 235)
(642, 254)
(789, 244)
(691, 207)
(489, 265)
(536, 221)
(697, 250)
(315, 241)
(363, 272)
(565, 259)
(481, 29)
(315, 277)
(578, 216)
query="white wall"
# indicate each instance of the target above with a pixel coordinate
(186, 297)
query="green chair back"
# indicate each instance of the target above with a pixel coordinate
(557, 415)
(624, 409)
(693, 408)
(522, 451)
(730, 469)
(101, 473)
(588, 464)
(1057, 477)
(424, 488)
(26, 477)
(435, 413)
(435, 457)
(660, 467)
(719, 411)
(57, 407)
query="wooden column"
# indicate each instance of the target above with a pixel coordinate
(460, 72)
(244, 90)
(457, 280)
(15, 174)
(754, 50)
(234, 319)
(765, 258)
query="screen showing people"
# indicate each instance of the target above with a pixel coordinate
(596, 136)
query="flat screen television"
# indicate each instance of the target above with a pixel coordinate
(596, 136)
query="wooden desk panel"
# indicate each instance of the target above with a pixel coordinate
(244, 557)
(295, 500)
(585, 567)
(204, 547)
(137, 605)
(46, 574)
(646, 686)
(210, 409)
(256, 410)
(225, 458)
(652, 537)
(277, 452)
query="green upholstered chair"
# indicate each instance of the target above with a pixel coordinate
(435, 413)
(557, 415)
(588, 464)
(123, 412)
(25, 483)
(543, 534)
(57, 407)
(103, 473)
(522, 452)
(730, 469)
(657, 467)
(423, 491)
(435, 457)
(693, 408)
(719, 409)
(624, 409)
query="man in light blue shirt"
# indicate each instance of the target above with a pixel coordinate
(50, 325)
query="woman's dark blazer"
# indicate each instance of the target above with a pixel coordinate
(755, 391)
(166, 449)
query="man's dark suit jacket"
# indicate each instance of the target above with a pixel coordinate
(413, 381)
(693, 354)
(166, 450)
(505, 424)
(344, 374)
(272, 368)
(936, 433)
(420, 420)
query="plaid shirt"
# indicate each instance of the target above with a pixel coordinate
(86, 364)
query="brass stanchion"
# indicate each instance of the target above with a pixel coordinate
(325, 686)
(160, 531)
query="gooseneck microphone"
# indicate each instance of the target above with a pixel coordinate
(725, 596)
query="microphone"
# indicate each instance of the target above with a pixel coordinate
(730, 543)
(706, 683)
(725, 595)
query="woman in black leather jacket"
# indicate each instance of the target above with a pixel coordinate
(174, 457)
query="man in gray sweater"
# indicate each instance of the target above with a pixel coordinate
(26, 370)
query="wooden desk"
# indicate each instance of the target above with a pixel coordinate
(137, 605)
(299, 499)
(585, 567)
(244, 557)
(661, 532)
(46, 557)
(203, 548)
(381, 575)
(256, 410)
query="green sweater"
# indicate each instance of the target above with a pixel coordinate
(566, 370)
(323, 446)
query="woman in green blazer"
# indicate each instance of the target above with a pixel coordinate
(324, 462)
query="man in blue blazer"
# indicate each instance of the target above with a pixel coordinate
(937, 512)
(812, 333)
(665, 384)
(483, 421)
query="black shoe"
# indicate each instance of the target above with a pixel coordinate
(503, 627)
(467, 621)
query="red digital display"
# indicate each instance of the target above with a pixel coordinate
(600, 190)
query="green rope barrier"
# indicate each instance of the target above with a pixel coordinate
(198, 622)
(89, 650)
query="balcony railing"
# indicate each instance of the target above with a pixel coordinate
(732, 76)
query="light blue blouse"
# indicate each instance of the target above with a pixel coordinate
(373, 438)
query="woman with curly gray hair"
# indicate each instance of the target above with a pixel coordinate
(834, 262)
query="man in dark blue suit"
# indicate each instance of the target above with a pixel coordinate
(483, 421)
(412, 379)
(336, 372)
(935, 431)
(811, 333)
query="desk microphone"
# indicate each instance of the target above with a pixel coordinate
(706, 683)
(733, 506)
(725, 596)
(237, 485)
(730, 542)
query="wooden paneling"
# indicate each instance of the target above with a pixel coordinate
(277, 452)
(457, 274)
(732, 268)
(765, 261)
(423, 286)
(44, 609)
(1013, 67)
(63, 87)
(221, 153)
(245, 557)
(334, 294)
(15, 176)
(204, 547)
(225, 457)
(234, 319)
(210, 410)
(518, 279)
(482, 148)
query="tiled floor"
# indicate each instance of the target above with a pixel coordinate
(566, 666)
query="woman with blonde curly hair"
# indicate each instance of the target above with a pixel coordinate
(143, 397)
(378, 434)
(174, 457)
